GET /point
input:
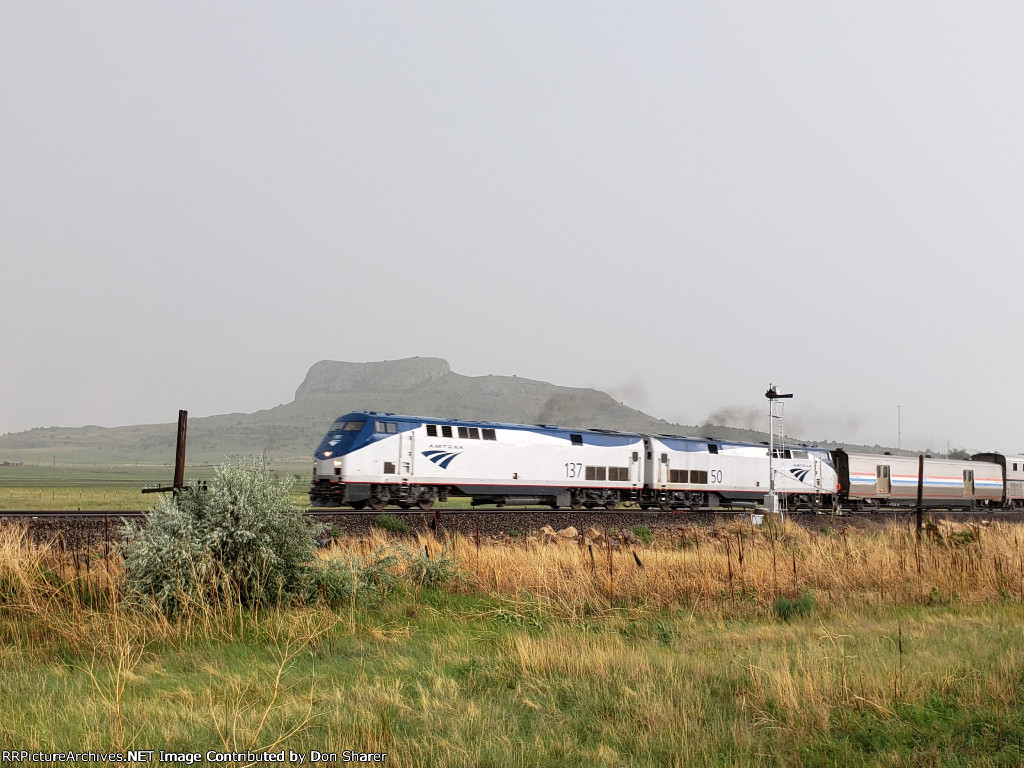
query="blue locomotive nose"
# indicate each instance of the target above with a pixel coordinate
(340, 440)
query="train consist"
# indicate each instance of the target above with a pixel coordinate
(370, 459)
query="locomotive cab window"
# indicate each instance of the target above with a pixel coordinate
(387, 427)
(354, 426)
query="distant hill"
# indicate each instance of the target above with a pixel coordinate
(418, 386)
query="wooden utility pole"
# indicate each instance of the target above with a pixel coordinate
(920, 494)
(179, 452)
(179, 459)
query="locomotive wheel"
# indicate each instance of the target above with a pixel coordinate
(611, 503)
(575, 506)
(665, 506)
(425, 504)
(377, 504)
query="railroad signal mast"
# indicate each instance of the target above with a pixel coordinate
(775, 411)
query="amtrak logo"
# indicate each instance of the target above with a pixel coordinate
(800, 474)
(441, 458)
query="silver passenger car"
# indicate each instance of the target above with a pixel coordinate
(873, 480)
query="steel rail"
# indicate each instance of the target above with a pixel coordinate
(635, 511)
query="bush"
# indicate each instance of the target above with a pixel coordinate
(344, 577)
(240, 539)
(392, 523)
(430, 572)
(787, 609)
(644, 533)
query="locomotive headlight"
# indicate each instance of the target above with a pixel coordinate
(337, 462)
(327, 454)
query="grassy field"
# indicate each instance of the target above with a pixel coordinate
(119, 487)
(731, 646)
(114, 487)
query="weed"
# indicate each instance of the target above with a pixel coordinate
(392, 523)
(643, 533)
(801, 607)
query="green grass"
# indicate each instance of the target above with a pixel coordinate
(644, 533)
(525, 659)
(391, 523)
(450, 680)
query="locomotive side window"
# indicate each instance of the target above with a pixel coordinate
(712, 448)
(798, 454)
(489, 434)
(446, 430)
(388, 427)
(431, 430)
(576, 439)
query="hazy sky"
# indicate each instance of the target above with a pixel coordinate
(675, 202)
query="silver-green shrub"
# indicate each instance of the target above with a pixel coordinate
(240, 538)
(430, 572)
(344, 577)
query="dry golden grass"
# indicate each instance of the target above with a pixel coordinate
(706, 570)
(548, 655)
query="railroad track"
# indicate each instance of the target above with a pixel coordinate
(76, 513)
(654, 514)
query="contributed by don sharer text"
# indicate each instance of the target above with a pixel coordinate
(160, 756)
